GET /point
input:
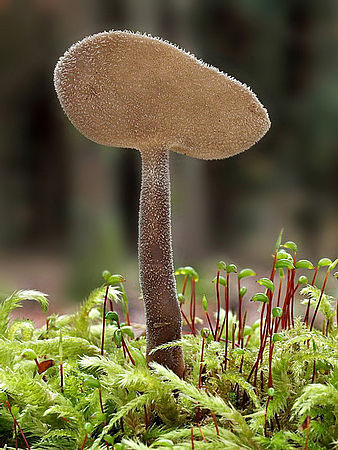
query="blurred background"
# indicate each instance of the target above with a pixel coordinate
(69, 207)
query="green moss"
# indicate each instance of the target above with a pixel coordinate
(116, 400)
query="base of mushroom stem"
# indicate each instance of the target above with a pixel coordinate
(171, 358)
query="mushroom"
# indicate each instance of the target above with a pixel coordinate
(124, 89)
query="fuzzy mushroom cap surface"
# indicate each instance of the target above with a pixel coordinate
(124, 89)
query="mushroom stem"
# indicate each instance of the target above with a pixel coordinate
(163, 317)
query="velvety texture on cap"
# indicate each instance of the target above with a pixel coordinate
(124, 89)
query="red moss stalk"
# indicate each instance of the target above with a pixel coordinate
(320, 299)
(125, 346)
(184, 284)
(226, 306)
(279, 290)
(270, 382)
(293, 290)
(307, 312)
(61, 376)
(239, 310)
(215, 423)
(265, 416)
(307, 424)
(192, 437)
(201, 364)
(186, 319)
(146, 417)
(263, 332)
(286, 305)
(16, 424)
(218, 304)
(104, 319)
(84, 441)
(210, 325)
(226, 322)
(243, 327)
(193, 305)
(234, 325)
(102, 410)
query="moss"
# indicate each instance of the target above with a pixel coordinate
(287, 400)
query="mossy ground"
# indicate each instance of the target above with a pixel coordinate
(276, 389)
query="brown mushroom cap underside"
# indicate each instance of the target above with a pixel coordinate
(124, 89)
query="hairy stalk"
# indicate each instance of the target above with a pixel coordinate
(163, 317)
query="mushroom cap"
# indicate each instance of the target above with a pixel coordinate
(125, 89)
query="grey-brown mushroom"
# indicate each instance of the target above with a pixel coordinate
(124, 89)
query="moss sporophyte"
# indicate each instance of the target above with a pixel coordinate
(124, 89)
